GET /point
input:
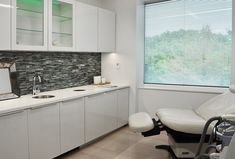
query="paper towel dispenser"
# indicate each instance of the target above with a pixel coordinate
(8, 82)
(5, 81)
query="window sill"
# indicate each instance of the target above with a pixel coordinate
(193, 89)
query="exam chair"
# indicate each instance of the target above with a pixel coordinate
(230, 152)
(183, 126)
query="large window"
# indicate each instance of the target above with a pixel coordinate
(188, 42)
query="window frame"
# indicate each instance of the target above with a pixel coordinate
(182, 87)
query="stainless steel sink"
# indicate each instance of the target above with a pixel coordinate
(43, 96)
(80, 90)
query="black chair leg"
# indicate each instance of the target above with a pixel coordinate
(169, 149)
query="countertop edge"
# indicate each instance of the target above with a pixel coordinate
(56, 100)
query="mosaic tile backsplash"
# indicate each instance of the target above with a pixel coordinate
(58, 70)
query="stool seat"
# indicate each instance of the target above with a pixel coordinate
(140, 122)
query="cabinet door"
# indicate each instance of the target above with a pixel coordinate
(110, 111)
(86, 28)
(72, 124)
(29, 25)
(123, 106)
(44, 135)
(5, 31)
(61, 25)
(100, 115)
(13, 136)
(107, 31)
(94, 117)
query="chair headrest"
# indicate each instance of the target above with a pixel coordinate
(232, 88)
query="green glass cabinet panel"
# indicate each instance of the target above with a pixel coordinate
(62, 24)
(30, 22)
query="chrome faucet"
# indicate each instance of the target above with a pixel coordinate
(36, 89)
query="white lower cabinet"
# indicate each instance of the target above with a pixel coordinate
(110, 111)
(100, 114)
(94, 117)
(47, 131)
(123, 106)
(44, 132)
(13, 135)
(72, 124)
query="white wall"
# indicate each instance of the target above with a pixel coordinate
(130, 46)
(125, 47)
(150, 100)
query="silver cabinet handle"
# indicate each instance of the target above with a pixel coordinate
(94, 95)
(11, 113)
(39, 107)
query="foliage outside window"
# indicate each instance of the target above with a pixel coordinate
(188, 42)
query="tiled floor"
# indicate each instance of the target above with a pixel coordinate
(122, 144)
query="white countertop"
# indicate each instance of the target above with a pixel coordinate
(26, 101)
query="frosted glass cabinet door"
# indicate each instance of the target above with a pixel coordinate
(5, 31)
(61, 25)
(29, 21)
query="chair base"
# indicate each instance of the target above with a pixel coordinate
(169, 149)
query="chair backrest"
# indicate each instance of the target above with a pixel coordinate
(219, 105)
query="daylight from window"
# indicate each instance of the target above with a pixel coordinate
(188, 42)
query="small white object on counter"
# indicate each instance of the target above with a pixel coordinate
(103, 80)
(97, 79)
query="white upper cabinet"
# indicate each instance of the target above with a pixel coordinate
(5, 27)
(107, 31)
(29, 24)
(86, 28)
(56, 25)
(61, 25)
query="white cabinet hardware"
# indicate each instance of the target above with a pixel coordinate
(39, 107)
(11, 113)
